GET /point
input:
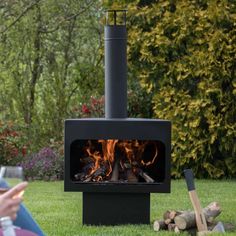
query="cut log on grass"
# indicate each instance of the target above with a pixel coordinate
(168, 221)
(173, 214)
(170, 215)
(187, 220)
(177, 230)
(212, 211)
(159, 225)
(173, 227)
(166, 215)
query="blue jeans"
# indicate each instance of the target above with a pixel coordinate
(24, 219)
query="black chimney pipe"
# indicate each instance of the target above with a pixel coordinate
(115, 64)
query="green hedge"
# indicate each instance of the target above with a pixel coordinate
(185, 55)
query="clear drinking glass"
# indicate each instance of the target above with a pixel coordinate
(13, 175)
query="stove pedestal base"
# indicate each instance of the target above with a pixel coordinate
(116, 208)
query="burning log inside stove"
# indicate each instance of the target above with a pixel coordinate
(131, 177)
(117, 161)
(147, 178)
(115, 171)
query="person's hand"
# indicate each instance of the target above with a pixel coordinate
(10, 201)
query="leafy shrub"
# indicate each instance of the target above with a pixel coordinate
(92, 108)
(12, 143)
(139, 104)
(44, 165)
(139, 101)
(184, 53)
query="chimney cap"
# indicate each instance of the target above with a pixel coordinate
(115, 16)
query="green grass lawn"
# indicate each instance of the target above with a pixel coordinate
(59, 213)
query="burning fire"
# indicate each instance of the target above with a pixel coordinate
(109, 157)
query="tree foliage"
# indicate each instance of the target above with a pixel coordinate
(184, 55)
(11, 147)
(49, 52)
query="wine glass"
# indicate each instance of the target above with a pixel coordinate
(13, 175)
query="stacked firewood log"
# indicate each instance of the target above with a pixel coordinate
(178, 221)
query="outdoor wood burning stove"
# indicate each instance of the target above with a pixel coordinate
(117, 161)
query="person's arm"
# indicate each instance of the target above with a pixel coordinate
(24, 219)
(10, 200)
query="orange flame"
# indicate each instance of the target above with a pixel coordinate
(128, 150)
(97, 159)
(108, 148)
(153, 159)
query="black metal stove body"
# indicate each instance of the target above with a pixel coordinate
(112, 203)
(123, 129)
(119, 202)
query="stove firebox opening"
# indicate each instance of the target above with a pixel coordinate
(120, 161)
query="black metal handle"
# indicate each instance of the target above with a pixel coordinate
(189, 177)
